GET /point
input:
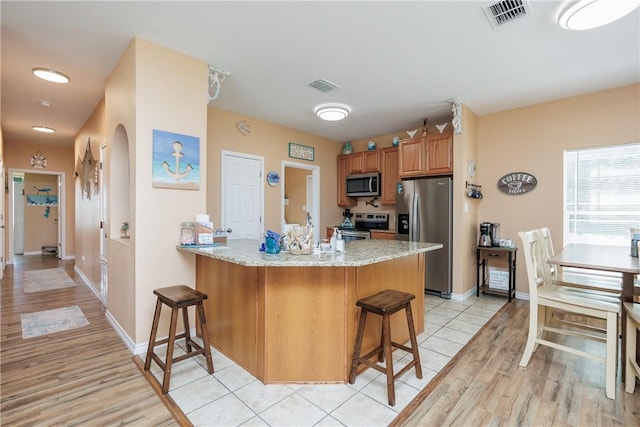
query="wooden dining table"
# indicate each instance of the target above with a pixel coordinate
(610, 258)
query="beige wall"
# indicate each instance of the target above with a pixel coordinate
(272, 143)
(87, 237)
(59, 160)
(171, 93)
(532, 139)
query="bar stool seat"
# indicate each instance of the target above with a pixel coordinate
(178, 297)
(386, 303)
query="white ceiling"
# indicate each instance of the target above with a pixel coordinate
(396, 62)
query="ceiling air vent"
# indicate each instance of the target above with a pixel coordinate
(501, 12)
(323, 85)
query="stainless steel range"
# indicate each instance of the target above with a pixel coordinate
(363, 224)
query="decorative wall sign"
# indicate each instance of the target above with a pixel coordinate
(515, 183)
(176, 161)
(303, 152)
(38, 160)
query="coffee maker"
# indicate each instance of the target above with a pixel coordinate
(489, 235)
(485, 234)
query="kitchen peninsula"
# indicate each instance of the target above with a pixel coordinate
(292, 318)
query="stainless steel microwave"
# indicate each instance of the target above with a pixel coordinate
(363, 185)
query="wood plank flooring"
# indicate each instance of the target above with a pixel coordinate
(485, 385)
(84, 376)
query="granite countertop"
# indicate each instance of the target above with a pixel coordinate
(357, 253)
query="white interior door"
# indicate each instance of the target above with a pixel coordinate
(242, 194)
(18, 215)
(3, 261)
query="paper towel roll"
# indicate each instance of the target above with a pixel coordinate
(202, 218)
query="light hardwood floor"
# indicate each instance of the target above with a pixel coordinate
(485, 386)
(84, 376)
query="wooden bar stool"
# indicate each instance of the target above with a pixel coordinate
(385, 303)
(178, 297)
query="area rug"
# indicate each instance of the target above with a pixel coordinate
(46, 280)
(51, 321)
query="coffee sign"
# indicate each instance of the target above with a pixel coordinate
(517, 183)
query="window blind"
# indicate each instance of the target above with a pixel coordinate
(601, 194)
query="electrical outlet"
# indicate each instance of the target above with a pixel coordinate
(83, 259)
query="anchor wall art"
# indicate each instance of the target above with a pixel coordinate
(176, 161)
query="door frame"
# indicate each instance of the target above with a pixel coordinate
(61, 209)
(315, 176)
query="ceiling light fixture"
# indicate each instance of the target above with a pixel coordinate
(44, 129)
(332, 112)
(588, 14)
(50, 75)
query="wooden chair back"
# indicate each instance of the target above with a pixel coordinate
(533, 258)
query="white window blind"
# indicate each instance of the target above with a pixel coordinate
(601, 194)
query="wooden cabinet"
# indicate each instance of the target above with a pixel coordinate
(411, 157)
(343, 200)
(440, 154)
(422, 156)
(363, 162)
(382, 235)
(390, 175)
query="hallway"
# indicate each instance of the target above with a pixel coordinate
(84, 376)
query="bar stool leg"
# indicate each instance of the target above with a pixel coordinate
(205, 338)
(152, 338)
(386, 345)
(187, 332)
(414, 342)
(170, 345)
(356, 353)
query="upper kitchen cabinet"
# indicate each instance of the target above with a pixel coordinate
(422, 156)
(440, 154)
(390, 175)
(363, 162)
(343, 200)
(411, 156)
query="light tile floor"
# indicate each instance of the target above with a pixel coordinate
(233, 397)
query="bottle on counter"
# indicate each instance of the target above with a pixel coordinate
(339, 242)
(334, 238)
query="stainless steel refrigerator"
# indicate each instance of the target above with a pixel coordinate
(424, 213)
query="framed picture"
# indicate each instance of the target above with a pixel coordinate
(176, 161)
(297, 151)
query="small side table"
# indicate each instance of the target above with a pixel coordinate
(484, 257)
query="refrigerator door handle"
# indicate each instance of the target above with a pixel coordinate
(415, 222)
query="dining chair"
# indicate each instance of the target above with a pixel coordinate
(632, 311)
(581, 279)
(545, 297)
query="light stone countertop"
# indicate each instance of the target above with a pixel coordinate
(357, 253)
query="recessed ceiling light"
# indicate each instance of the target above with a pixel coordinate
(43, 129)
(332, 112)
(588, 14)
(50, 75)
(46, 103)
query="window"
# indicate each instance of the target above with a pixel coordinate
(601, 194)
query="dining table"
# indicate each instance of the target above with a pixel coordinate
(610, 258)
